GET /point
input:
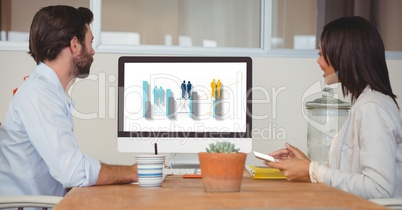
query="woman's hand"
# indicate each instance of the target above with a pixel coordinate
(293, 163)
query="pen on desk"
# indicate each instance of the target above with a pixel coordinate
(156, 148)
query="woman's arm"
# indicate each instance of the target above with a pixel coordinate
(292, 162)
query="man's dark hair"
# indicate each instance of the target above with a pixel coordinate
(353, 46)
(53, 28)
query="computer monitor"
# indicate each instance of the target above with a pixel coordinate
(183, 103)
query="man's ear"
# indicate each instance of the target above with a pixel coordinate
(75, 46)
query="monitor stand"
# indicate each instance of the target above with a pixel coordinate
(184, 160)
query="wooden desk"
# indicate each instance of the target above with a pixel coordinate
(180, 193)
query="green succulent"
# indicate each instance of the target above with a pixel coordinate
(222, 147)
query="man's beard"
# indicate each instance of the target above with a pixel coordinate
(82, 64)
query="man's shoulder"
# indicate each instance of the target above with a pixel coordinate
(38, 85)
(35, 83)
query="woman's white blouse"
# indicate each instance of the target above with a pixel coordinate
(366, 157)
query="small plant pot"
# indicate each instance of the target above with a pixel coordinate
(222, 172)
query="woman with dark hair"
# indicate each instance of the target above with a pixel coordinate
(365, 157)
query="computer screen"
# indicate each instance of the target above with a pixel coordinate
(183, 103)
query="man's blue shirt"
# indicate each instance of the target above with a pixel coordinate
(39, 154)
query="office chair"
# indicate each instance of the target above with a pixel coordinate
(22, 202)
(392, 203)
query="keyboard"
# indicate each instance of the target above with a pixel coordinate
(181, 171)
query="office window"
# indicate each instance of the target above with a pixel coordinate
(297, 24)
(294, 24)
(16, 16)
(185, 23)
(244, 27)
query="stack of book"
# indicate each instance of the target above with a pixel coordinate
(262, 172)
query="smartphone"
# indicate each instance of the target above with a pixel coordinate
(263, 156)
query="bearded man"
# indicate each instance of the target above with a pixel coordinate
(39, 154)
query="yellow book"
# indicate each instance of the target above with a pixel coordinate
(261, 172)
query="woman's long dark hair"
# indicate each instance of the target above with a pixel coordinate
(355, 49)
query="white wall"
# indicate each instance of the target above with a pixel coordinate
(289, 77)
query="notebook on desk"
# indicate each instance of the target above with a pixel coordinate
(263, 172)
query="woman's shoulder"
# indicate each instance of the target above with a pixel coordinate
(372, 96)
(376, 102)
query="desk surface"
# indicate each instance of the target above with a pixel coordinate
(180, 193)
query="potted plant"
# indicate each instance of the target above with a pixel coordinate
(222, 167)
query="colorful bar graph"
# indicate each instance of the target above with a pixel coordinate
(145, 97)
(214, 108)
(191, 106)
(168, 95)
